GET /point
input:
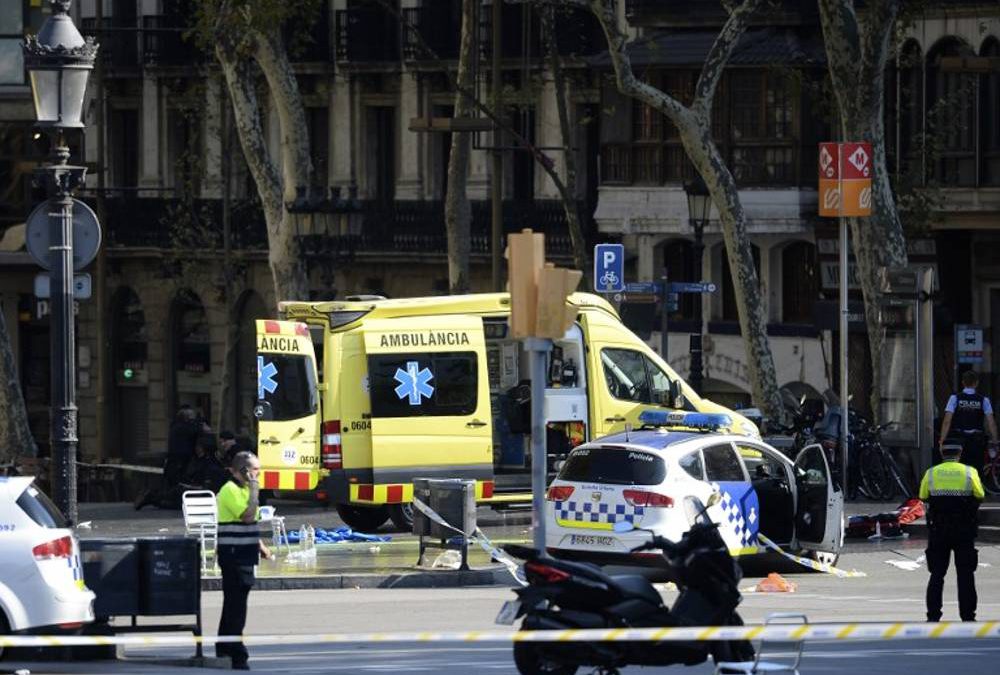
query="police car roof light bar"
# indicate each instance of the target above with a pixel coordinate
(701, 421)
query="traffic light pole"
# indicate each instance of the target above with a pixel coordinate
(664, 303)
(538, 350)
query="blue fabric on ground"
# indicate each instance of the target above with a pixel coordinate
(342, 533)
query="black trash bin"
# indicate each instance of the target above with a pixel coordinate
(421, 491)
(170, 580)
(111, 571)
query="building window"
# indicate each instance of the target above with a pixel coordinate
(951, 96)
(729, 311)
(911, 110)
(754, 123)
(124, 141)
(319, 137)
(990, 116)
(799, 282)
(11, 36)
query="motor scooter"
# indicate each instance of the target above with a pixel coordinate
(563, 595)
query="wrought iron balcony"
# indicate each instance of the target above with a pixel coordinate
(440, 28)
(367, 33)
(164, 41)
(119, 39)
(311, 47)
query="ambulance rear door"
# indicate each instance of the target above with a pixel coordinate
(287, 409)
(430, 400)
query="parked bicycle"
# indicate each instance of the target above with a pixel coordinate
(991, 469)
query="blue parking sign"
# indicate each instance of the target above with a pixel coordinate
(609, 268)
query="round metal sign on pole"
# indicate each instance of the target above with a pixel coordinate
(86, 235)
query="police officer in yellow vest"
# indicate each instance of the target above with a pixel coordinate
(953, 493)
(239, 550)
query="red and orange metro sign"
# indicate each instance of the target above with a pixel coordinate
(845, 179)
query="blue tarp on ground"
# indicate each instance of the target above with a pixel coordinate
(336, 536)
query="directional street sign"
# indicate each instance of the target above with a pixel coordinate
(81, 286)
(692, 287)
(643, 287)
(609, 268)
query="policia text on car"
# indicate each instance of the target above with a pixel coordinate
(953, 492)
(239, 550)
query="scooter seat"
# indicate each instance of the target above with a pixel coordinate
(632, 586)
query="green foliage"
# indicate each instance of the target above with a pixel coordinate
(230, 22)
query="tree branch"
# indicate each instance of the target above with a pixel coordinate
(296, 161)
(879, 24)
(628, 84)
(842, 37)
(240, 78)
(718, 56)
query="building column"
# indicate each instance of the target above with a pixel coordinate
(150, 174)
(479, 172)
(409, 183)
(341, 130)
(549, 136)
(646, 266)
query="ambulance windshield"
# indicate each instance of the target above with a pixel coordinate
(287, 383)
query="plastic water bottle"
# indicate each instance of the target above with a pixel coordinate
(303, 541)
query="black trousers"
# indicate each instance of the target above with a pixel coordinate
(237, 580)
(973, 450)
(940, 546)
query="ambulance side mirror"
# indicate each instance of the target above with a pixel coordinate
(676, 395)
(263, 412)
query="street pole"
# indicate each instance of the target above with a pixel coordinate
(695, 379)
(538, 350)
(60, 181)
(664, 302)
(844, 402)
(496, 186)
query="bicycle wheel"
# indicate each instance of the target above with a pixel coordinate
(991, 476)
(873, 474)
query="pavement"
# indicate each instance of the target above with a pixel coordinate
(392, 564)
(887, 593)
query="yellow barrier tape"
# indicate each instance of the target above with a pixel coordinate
(811, 564)
(825, 632)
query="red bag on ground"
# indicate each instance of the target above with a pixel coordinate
(910, 511)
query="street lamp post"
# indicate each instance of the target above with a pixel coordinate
(59, 61)
(699, 205)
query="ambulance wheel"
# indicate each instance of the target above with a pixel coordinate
(4, 630)
(363, 518)
(402, 516)
(530, 659)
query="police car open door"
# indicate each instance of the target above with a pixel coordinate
(819, 505)
(287, 409)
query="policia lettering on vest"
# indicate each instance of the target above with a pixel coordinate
(239, 550)
(953, 493)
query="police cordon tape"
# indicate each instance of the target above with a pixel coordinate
(484, 542)
(811, 564)
(815, 632)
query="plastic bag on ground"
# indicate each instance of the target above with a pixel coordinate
(775, 583)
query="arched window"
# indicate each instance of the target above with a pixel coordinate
(729, 311)
(130, 408)
(192, 354)
(990, 114)
(799, 282)
(911, 108)
(951, 114)
(678, 256)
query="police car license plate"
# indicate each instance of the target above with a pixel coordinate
(508, 612)
(591, 540)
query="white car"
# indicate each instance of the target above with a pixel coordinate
(643, 476)
(41, 575)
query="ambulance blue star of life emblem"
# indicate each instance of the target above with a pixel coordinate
(414, 383)
(265, 378)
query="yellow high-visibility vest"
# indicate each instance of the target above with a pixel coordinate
(951, 478)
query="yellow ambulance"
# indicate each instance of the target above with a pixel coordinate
(359, 397)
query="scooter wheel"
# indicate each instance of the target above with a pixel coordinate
(530, 659)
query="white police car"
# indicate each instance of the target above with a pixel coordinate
(41, 576)
(643, 476)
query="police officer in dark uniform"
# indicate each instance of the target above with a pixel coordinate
(965, 415)
(953, 493)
